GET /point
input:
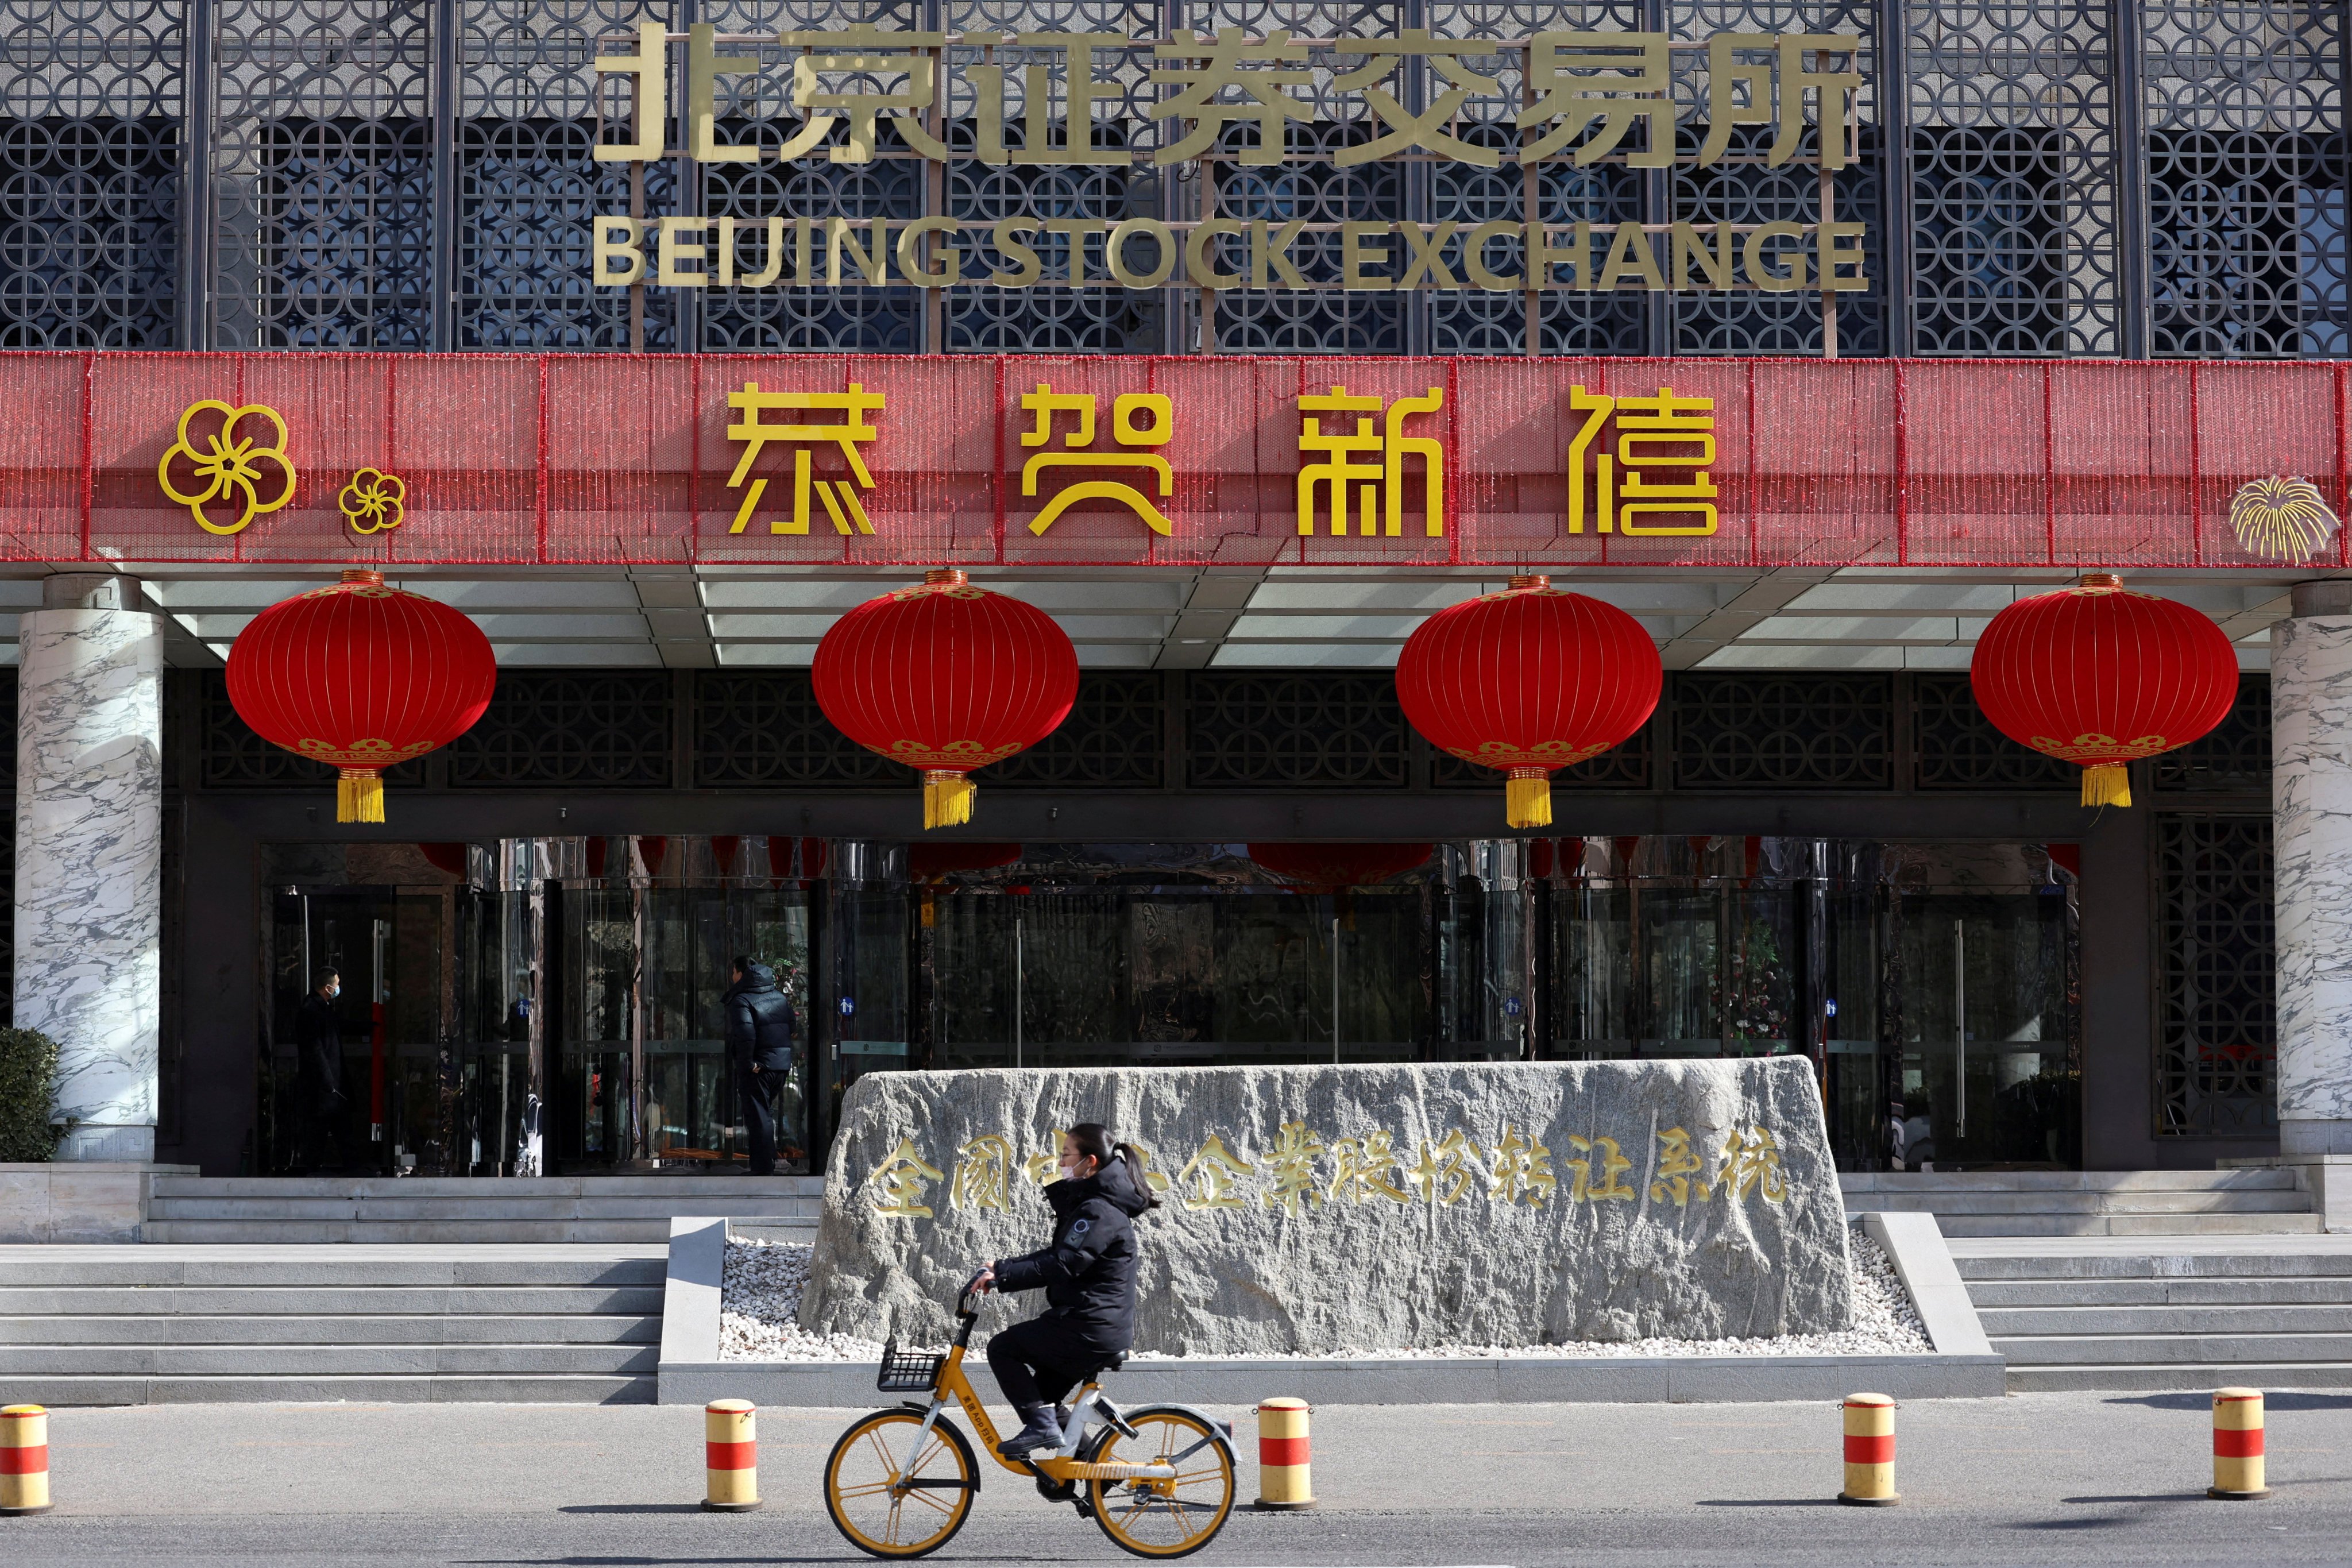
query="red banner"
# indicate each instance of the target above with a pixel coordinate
(605, 459)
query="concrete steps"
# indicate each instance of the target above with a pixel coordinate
(2092, 1202)
(2190, 1313)
(163, 1323)
(443, 1211)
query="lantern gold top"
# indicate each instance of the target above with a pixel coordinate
(1528, 579)
(2099, 580)
(950, 576)
(364, 576)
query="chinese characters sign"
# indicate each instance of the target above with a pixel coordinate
(1569, 99)
(877, 463)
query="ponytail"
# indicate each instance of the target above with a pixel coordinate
(1093, 1141)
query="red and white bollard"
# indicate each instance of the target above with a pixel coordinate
(2238, 1446)
(1284, 1455)
(24, 1459)
(730, 1456)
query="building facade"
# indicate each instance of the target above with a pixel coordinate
(657, 336)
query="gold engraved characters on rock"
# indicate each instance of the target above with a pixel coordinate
(1300, 1172)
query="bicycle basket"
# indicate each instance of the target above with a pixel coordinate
(908, 1372)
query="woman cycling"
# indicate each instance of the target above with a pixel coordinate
(1088, 1275)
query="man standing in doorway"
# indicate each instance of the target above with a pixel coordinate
(319, 1075)
(759, 1042)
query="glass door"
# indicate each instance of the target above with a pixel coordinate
(382, 1100)
(644, 1079)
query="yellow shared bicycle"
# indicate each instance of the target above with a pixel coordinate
(901, 1483)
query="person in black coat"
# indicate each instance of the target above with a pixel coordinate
(1089, 1278)
(319, 1073)
(759, 1046)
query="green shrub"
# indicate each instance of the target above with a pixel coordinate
(29, 1071)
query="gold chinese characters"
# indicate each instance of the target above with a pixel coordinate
(1585, 95)
(1300, 1171)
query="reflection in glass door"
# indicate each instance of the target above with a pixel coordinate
(1934, 982)
(646, 1080)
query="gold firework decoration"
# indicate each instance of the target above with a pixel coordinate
(2282, 519)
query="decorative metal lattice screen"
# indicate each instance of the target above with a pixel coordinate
(2011, 146)
(607, 729)
(2234, 756)
(1766, 731)
(1115, 738)
(765, 730)
(90, 124)
(1955, 746)
(1293, 731)
(2245, 178)
(365, 183)
(2216, 1046)
(320, 175)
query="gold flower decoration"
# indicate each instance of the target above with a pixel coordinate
(372, 502)
(227, 465)
(2282, 519)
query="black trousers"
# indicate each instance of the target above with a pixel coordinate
(759, 1086)
(1038, 1362)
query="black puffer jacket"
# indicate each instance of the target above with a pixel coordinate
(759, 1021)
(1088, 1272)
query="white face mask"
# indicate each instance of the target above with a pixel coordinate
(1070, 1164)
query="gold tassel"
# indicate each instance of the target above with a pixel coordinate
(947, 799)
(1527, 798)
(359, 796)
(2109, 784)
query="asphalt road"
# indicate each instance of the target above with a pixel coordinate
(2041, 1479)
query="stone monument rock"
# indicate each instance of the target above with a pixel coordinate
(1306, 1210)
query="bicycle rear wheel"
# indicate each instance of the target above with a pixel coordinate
(1164, 1518)
(885, 1504)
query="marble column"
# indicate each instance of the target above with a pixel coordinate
(2311, 797)
(89, 818)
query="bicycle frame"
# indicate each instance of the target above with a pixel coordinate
(950, 1384)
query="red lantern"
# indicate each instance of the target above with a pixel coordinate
(2102, 676)
(1529, 680)
(945, 676)
(360, 676)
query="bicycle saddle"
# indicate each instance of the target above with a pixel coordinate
(1108, 1364)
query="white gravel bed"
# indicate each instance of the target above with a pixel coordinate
(760, 1300)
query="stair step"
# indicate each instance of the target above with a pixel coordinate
(487, 1207)
(2253, 1178)
(2153, 1265)
(228, 1267)
(1989, 1295)
(2127, 1225)
(2001, 1322)
(18, 1362)
(2156, 1350)
(522, 1389)
(403, 1233)
(2072, 1204)
(544, 1300)
(334, 1329)
(262, 1188)
(2157, 1377)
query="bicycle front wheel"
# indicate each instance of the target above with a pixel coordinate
(889, 1498)
(1173, 1517)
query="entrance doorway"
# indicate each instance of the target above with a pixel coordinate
(554, 1005)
